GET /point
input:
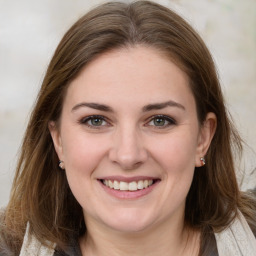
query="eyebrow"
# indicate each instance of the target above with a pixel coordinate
(162, 105)
(97, 106)
(146, 108)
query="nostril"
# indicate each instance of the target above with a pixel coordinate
(127, 162)
(128, 151)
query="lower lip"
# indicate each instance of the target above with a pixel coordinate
(124, 194)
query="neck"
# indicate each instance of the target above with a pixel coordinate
(159, 240)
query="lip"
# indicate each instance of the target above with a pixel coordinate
(129, 195)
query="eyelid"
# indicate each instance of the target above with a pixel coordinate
(85, 120)
(169, 119)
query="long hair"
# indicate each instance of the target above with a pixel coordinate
(40, 192)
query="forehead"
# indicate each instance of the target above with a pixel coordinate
(136, 73)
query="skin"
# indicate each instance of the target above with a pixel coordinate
(129, 141)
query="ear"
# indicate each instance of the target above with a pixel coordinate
(56, 137)
(206, 134)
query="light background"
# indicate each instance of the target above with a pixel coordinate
(30, 31)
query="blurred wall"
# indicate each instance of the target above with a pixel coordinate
(30, 31)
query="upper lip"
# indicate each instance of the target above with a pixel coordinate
(128, 179)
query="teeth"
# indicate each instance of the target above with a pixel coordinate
(110, 184)
(106, 182)
(128, 186)
(116, 185)
(133, 186)
(141, 184)
(124, 185)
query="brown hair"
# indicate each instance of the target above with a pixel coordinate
(40, 192)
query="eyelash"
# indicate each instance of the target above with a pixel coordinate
(87, 119)
(170, 121)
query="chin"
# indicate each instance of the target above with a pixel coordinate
(127, 228)
(129, 222)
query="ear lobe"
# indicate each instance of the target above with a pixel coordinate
(207, 132)
(56, 138)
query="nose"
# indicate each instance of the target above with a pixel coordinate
(128, 150)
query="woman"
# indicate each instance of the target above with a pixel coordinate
(129, 149)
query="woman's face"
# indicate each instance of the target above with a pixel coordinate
(130, 139)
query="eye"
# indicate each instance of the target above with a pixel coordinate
(94, 121)
(161, 121)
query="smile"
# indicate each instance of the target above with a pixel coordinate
(127, 186)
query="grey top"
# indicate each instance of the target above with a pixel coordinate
(74, 249)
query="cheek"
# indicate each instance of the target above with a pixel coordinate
(82, 156)
(175, 156)
(83, 152)
(176, 152)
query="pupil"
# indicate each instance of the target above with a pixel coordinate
(96, 121)
(159, 121)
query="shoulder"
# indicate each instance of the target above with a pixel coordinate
(72, 249)
(5, 245)
(251, 215)
(208, 243)
(236, 238)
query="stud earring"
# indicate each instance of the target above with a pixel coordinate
(202, 159)
(61, 165)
